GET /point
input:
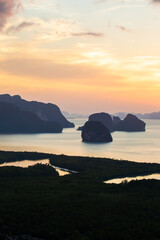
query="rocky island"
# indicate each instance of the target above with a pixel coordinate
(96, 132)
(131, 123)
(92, 130)
(104, 118)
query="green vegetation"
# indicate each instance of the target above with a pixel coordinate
(103, 168)
(19, 156)
(79, 206)
(32, 171)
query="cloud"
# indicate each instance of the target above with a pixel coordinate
(8, 8)
(155, 1)
(46, 70)
(100, 1)
(123, 1)
(122, 28)
(87, 34)
(57, 29)
(20, 27)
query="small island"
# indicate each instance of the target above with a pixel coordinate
(95, 132)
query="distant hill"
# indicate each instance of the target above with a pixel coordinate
(122, 115)
(153, 115)
(45, 111)
(74, 115)
(14, 120)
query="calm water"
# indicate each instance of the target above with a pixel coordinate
(27, 163)
(137, 146)
(128, 179)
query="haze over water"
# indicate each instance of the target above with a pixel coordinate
(136, 146)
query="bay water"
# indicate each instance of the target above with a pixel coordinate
(132, 146)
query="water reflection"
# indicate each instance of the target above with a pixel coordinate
(27, 163)
(128, 179)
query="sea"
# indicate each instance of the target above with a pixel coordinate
(132, 146)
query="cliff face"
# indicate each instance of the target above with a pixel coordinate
(45, 111)
(104, 118)
(14, 120)
(131, 124)
(95, 132)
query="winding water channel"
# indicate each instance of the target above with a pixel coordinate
(27, 163)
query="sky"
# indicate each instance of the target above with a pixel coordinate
(85, 56)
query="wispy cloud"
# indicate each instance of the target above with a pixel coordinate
(99, 1)
(123, 29)
(54, 30)
(87, 34)
(155, 1)
(19, 27)
(7, 9)
(123, 1)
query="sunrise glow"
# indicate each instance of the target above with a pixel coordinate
(84, 56)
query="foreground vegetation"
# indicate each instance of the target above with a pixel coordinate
(37, 202)
(20, 156)
(103, 168)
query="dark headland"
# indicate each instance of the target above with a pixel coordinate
(45, 111)
(20, 116)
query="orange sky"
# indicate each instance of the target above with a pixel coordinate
(85, 57)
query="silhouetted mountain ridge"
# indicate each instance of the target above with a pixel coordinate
(45, 111)
(153, 115)
(14, 120)
(74, 115)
